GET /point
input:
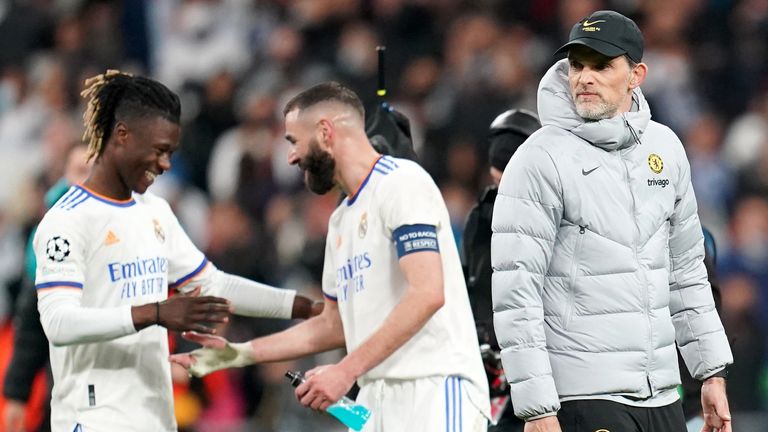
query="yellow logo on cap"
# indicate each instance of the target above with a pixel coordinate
(589, 24)
(655, 163)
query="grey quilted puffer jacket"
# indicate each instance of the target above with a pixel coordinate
(597, 254)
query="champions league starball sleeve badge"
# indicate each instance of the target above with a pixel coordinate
(57, 249)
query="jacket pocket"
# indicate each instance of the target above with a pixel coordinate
(572, 277)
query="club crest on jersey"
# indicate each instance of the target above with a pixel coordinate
(159, 233)
(655, 163)
(362, 228)
(57, 249)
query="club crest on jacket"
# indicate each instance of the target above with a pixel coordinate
(655, 163)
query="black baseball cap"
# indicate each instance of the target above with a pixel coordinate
(609, 33)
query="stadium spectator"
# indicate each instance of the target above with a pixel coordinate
(30, 346)
(507, 132)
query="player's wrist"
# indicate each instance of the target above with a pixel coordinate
(232, 355)
(245, 354)
(144, 315)
(352, 367)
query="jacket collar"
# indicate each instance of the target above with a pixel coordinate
(556, 108)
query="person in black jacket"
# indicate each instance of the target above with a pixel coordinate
(507, 132)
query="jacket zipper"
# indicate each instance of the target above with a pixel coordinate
(643, 278)
(631, 129)
(574, 267)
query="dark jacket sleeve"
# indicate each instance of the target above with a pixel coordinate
(30, 347)
(476, 261)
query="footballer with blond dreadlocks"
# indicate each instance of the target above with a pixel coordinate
(107, 253)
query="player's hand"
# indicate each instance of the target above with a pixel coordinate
(544, 424)
(717, 414)
(13, 417)
(185, 312)
(217, 353)
(324, 386)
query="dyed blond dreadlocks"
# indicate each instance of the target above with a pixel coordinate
(116, 96)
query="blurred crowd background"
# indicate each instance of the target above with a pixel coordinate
(452, 66)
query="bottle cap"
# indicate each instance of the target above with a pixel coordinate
(295, 377)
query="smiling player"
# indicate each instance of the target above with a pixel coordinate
(107, 252)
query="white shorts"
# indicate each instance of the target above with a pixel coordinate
(433, 404)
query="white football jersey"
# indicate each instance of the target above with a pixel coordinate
(113, 254)
(397, 210)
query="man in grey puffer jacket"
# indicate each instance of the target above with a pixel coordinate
(598, 254)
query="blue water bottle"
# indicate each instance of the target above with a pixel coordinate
(351, 414)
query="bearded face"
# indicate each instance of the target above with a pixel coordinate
(318, 166)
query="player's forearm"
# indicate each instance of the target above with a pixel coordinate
(318, 334)
(67, 323)
(252, 298)
(406, 319)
